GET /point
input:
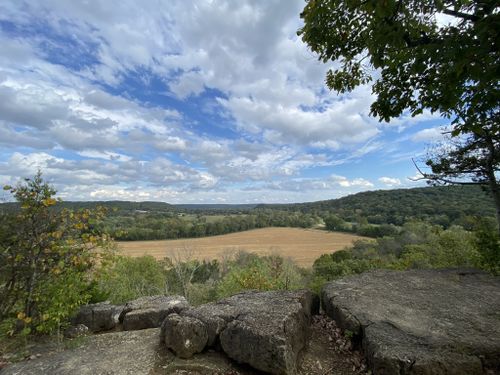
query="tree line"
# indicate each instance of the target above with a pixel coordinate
(153, 226)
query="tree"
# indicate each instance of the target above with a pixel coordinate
(46, 255)
(471, 159)
(418, 63)
(421, 63)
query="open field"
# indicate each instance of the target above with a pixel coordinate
(302, 245)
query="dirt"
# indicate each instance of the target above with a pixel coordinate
(303, 246)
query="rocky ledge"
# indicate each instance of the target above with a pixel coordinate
(421, 321)
(266, 330)
(412, 322)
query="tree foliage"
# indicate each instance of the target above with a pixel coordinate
(418, 61)
(421, 63)
(473, 157)
(418, 245)
(46, 257)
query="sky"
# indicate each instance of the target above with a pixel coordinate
(187, 102)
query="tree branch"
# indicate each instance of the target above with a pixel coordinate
(438, 178)
(465, 16)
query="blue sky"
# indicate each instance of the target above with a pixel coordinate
(187, 102)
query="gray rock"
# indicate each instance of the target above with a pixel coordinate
(184, 335)
(266, 330)
(75, 331)
(118, 353)
(215, 316)
(149, 312)
(421, 321)
(97, 317)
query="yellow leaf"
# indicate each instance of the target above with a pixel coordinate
(49, 202)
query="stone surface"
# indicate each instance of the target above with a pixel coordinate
(118, 353)
(76, 331)
(421, 321)
(149, 312)
(97, 317)
(266, 330)
(184, 335)
(139, 352)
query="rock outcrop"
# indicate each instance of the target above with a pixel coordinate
(98, 317)
(118, 353)
(184, 335)
(150, 312)
(266, 330)
(421, 321)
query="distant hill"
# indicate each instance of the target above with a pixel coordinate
(119, 206)
(396, 206)
(214, 207)
(443, 205)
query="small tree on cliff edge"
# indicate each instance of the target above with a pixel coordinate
(452, 69)
(46, 255)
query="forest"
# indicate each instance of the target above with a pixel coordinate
(372, 214)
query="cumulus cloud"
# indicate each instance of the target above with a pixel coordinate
(180, 101)
(344, 182)
(390, 181)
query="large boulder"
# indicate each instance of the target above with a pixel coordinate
(184, 335)
(97, 317)
(266, 330)
(421, 321)
(150, 312)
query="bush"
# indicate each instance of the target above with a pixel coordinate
(131, 278)
(200, 293)
(488, 244)
(47, 256)
(417, 245)
(260, 273)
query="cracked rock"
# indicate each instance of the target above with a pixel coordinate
(420, 321)
(97, 317)
(150, 312)
(184, 335)
(266, 330)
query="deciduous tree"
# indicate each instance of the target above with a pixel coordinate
(46, 255)
(436, 55)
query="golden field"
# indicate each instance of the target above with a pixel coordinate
(301, 245)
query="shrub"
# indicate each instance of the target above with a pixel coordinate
(130, 278)
(260, 273)
(417, 245)
(488, 244)
(47, 256)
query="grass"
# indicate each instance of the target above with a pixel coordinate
(302, 245)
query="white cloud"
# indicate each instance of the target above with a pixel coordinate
(344, 182)
(390, 181)
(80, 99)
(428, 135)
(104, 155)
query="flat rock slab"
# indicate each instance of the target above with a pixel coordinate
(149, 312)
(421, 321)
(266, 330)
(119, 353)
(98, 317)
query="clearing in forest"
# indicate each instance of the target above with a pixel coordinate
(302, 245)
